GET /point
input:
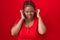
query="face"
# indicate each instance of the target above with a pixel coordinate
(29, 12)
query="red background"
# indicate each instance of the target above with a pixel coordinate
(50, 13)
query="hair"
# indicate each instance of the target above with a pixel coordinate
(31, 3)
(26, 3)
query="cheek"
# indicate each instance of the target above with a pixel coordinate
(32, 14)
(26, 14)
(29, 15)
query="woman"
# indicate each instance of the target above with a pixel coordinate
(30, 25)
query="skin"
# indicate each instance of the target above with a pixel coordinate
(29, 12)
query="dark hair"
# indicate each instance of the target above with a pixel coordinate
(29, 2)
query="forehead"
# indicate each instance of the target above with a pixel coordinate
(28, 8)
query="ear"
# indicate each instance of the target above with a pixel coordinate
(36, 11)
(35, 15)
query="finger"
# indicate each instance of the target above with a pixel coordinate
(20, 11)
(38, 10)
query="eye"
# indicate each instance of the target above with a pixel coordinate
(32, 11)
(26, 11)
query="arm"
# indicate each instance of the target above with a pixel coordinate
(41, 26)
(16, 28)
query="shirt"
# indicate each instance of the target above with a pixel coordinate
(31, 33)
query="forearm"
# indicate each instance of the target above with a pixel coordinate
(41, 26)
(16, 28)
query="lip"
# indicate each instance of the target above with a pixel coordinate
(28, 16)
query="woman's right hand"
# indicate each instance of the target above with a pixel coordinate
(22, 16)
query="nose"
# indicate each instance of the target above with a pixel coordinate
(29, 12)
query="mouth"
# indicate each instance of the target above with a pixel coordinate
(29, 16)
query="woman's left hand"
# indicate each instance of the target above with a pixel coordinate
(38, 11)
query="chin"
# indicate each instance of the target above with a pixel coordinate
(30, 18)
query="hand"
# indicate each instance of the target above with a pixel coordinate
(38, 11)
(22, 16)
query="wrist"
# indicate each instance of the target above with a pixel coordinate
(39, 17)
(22, 19)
